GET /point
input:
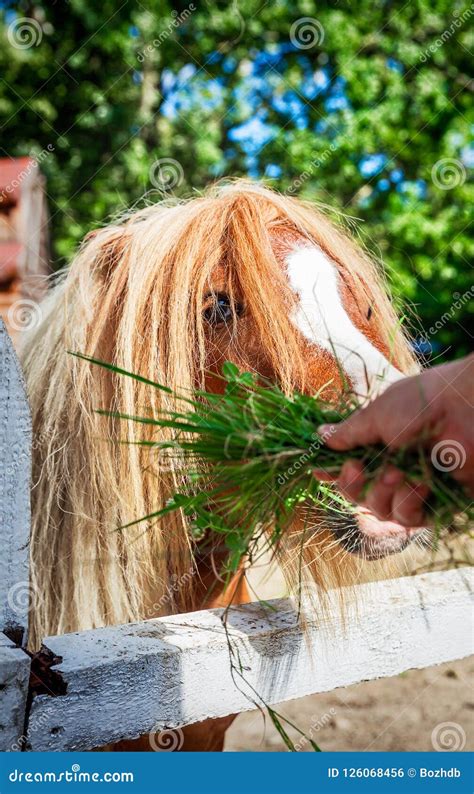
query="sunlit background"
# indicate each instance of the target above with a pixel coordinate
(364, 107)
(361, 106)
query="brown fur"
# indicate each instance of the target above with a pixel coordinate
(135, 295)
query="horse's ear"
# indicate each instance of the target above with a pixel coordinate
(285, 238)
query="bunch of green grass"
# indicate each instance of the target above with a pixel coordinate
(250, 454)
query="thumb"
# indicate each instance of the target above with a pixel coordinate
(359, 429)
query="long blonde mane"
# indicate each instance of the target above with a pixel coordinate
(134, 296)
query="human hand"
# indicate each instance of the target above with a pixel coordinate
(434, 409)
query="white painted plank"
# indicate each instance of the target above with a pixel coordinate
(14, 677)
(15, 446)
(127, 680)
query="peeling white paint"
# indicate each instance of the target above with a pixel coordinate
(124, 681)
(15, 477)
(323, 321)
(14, 677)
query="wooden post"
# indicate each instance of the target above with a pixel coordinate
(14, 678)
(15, 476)
(15, 591)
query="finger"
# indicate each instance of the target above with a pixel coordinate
(323, 476)
(358, 430)
(409, 503)
(381, 492)
(351, 480)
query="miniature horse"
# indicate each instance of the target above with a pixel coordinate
(240, 273)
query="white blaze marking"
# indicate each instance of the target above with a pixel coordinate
(323, 320)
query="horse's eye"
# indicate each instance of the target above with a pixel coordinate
(222, 310)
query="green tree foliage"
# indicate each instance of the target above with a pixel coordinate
(361, 106)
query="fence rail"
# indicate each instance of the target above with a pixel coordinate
(124, 681)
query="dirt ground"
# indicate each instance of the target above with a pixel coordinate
(405, 712)
(401, 713)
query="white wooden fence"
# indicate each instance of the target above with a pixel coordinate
(94, 687)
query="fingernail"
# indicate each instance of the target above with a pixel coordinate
(325, 431)
(391, 476)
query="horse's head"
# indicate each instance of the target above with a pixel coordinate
(294, 300)
(172, 291)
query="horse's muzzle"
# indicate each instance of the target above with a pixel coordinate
(364, 535)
